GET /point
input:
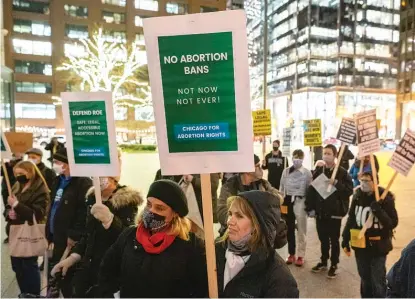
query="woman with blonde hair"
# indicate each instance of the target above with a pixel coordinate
(29, 199)
(159, 257)
(247, 264)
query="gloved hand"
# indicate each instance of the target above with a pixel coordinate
(375, 206)
(311, 214)
(64, 265)
(346, 247)
(102, 213)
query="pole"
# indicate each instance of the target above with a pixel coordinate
(385, 192)
(265, 83)
(336, 168)
(97, 189)
(209, 235)
(375, 176)
(6, 177)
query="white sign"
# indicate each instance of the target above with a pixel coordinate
(404, 156)
(90, 134)
(367, 133)
(198, 67)
(321, 184)
(286, 142)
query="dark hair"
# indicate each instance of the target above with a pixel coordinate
(298, 153)
(369, 174)
(276, 141)
(333, 149)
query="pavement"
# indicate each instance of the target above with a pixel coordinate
(138, 170)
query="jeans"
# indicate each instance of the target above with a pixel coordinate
(27, 274)
(328, 230)
(297, 212)
(372, 272)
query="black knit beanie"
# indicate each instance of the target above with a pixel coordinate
(171, 194)
(61, 155)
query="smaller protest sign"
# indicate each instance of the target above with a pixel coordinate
(347, 131)
(312, 132)
(19, 142)
(322, 186)
(286, 141)
(367, 133)
(262, 122)
(404, 156)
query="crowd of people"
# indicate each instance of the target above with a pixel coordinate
(149, 247)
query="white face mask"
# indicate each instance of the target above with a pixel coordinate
(34, 161)
(58, 168)
(103, 183)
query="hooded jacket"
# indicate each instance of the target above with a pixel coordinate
(379, 234)
(337, 204)
(123, 203)
(234, 187)
(265, 275)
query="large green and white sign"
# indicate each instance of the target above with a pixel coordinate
(90, 131)
(198, 67)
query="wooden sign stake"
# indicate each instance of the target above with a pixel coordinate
(209, 235)
(312, 157)
(375, 176)
(336, 168)
(6, 177)
(97, 189)
(385, 192)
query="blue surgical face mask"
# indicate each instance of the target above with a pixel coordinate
(297, 163)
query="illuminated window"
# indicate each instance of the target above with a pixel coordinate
(138, 21)
(33, 87)
(76, 11)
(42, 111)
(23, 46)
(120, 113)
(114, 36)
(151, 5)
(33, 67)
(76, 31)
(75, 50)
(139, 39)
(176, 8)
(32, 27)
(31, 6)
(114, 2)
(113, 17)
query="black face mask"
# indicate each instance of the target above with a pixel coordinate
(153, 222)
(275, 148)
(22, 179)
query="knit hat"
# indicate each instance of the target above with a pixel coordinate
(256, 159)
(35, 151)
(61, 155)
(171, 194)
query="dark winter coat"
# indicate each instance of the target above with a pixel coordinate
(347, 156)
(233, 187)
(33, 201)
(275, 164)
(48, 174)
(337, 204)
(385, 220)
(69, 221)
(177, 272)
(49, 147)
(401, 278)
(93, 245)
(265, 275)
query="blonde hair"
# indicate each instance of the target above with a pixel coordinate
(257, 239)
(33, 171)
(179, 226)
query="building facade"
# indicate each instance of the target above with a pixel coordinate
(42, 31)
(327, 59)
(406, 79)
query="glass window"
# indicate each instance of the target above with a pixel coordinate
(75, 50)
(76, 31)
(23, 46)
(31, 6)
(152, 5)
(33, 67)
(120, 113)
(33, 87)
(76, 11)
(176, 8)
(114, 36)
(114, 2)
(208, 9)
(113, 17)
(43, 111)
(139, 39)
(32, 27)
(138, 21)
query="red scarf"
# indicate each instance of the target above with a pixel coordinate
(155, 243)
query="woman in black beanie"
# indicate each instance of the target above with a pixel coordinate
(159, 257)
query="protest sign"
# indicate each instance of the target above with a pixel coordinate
(19, 142)
(198, 67)
(404, 156)
(322, 186)
(262, 122)
(6, 152)
(312, 132)
(90, 133)
(286, 141)
(347, 131)
(367, 133)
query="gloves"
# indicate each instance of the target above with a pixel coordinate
(64, 265)
(311, 214)
(375, 206)
(102, 213)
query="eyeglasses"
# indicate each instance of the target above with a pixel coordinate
(365, 181)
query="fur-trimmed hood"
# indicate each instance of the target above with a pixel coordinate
(123, 196)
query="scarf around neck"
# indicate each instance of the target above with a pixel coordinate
(155, 243)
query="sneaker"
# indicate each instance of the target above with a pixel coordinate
(320, 266)
(332, 272)
(299, 262)
(290, 260)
